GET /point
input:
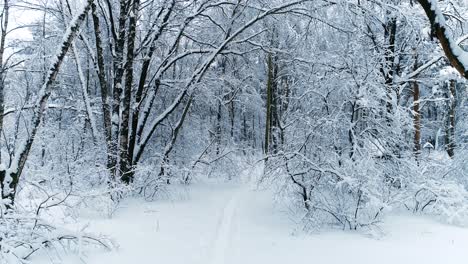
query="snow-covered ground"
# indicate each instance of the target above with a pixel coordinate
(234, 223)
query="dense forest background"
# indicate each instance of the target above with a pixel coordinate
(353, 108)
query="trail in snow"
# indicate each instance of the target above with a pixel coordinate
(231, 224)
(223, 236)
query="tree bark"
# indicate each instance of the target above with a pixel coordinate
(126, 174)
(142, 83)
(450, 129)
(117, 88)
(4, 27)
(105, 98)
(388, 69)
(416, 114)
(452, 51)
(269, 103)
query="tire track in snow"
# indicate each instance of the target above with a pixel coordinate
(223, 235)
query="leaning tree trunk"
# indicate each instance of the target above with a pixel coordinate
(9, 177)
(85, 94)
(175, 133)
(457, 57)
(84, 82)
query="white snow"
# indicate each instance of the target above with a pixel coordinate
(428, 145)
(234, 223)
(224, 232)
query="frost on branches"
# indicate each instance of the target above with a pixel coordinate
(351, 110)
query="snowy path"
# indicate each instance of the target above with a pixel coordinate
(232, 224)
(224, 233)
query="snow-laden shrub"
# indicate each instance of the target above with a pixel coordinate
(439, 189)
(154, 183)
(447, 200)
(359, 193)
(24, 233)
(352, 196)
(57, 187)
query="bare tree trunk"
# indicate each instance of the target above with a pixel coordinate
(85, 95)
(105, 98)
(119, 69)
(389, 68)
(450, 128)
(253, 134)
(232, 115)
(125, 160)
(285, 93)
(4, 28)
(351, 130)
(416, 114)
(244, 137)
(218, 130)
(269, 103)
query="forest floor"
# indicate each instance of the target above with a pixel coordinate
(222, 223)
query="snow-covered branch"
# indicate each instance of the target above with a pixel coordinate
(455, 54)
